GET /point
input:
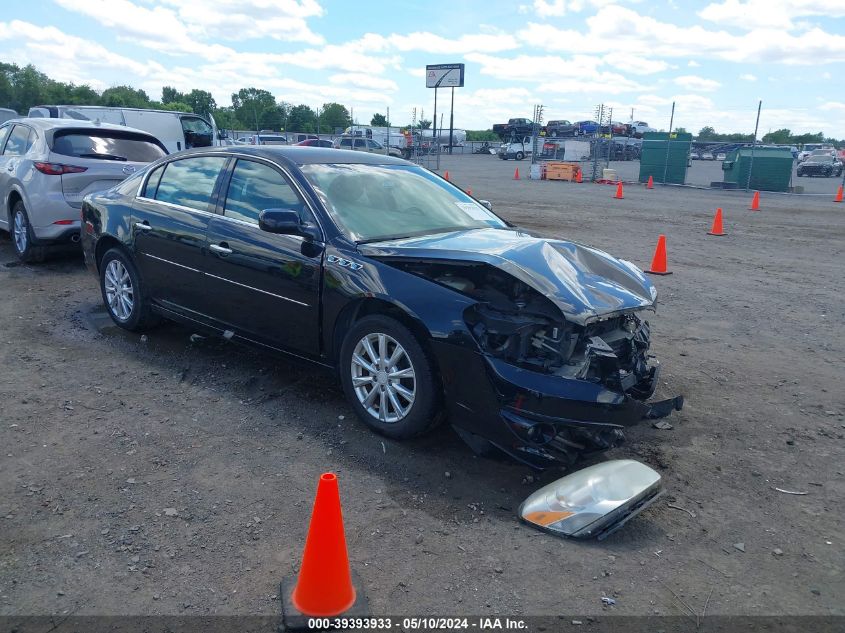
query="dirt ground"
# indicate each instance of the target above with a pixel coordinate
(155, 475)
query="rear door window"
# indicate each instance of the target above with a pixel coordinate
(105, 146)
(19, 141)
(255, 187)
(189, 182)
(360, 143)
(151, 185)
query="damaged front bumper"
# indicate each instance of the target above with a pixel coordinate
(544, 419)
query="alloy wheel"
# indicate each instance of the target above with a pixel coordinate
(20, 232)
(383, 377)
(119, 292)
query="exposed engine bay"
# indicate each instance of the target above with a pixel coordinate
(514, 322)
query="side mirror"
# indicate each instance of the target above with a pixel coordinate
(487, 204)
(285, 222)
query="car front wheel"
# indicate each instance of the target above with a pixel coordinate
(123, 294)
(22, 238)
(388, 378)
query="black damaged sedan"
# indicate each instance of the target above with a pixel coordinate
(426, 304)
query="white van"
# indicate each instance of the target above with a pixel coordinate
(176, 130)
(6, 114)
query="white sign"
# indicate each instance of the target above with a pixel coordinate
(444, 76)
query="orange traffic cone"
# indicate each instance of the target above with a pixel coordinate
(516, 174)
(324, 585)
(446, 175)
(650, 184)
(755, 202)
(619, 195)
(838, 197)
(717, 224)
(658, 262)
(578, 177)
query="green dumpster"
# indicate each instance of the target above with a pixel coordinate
(665, 157)
(771, 171)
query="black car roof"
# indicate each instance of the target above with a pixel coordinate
(300, 155)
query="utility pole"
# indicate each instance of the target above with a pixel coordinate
(753, 145)
(452, 120)
(669, 143)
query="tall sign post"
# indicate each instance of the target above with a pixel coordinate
(444, 76)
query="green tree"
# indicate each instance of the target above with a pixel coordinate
(378, 120)
(249, 105)
(200, 101)
(778, 137)
(124, 97)
(425, 124)
(481, 135)
(29, 88)
(226, 119)
(169, 94)
(706, 133)
(175, 106)
(302, 118)
(334, 116)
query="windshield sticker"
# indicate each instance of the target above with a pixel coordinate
(473, 210)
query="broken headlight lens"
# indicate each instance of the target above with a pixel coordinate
(595, 501)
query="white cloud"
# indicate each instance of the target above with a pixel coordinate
(748, 77)
(693, 64)
(365, 81)
(616, 28)
(696, 83)
(431, 43)
(635, 64)
(769, 14)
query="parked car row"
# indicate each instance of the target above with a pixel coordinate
(518, 128)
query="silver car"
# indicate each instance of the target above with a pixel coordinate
(48, 165)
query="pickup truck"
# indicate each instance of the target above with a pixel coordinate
(638, 128)
(560, 128)
(514, 127)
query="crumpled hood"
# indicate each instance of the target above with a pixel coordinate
(584, 282)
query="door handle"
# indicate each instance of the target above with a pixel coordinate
(10, 167)
(143, 226)
(221, 248)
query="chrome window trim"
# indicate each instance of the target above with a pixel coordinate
(260, 159)
(173, 205)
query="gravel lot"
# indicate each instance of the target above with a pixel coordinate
(156, 475)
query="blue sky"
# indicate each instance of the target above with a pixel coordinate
(714, 59)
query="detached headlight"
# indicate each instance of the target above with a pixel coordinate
(595, 501)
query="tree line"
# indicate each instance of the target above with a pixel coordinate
(251, 108)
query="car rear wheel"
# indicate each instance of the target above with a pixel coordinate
(123, 293)
(388, 378)
(22, 238)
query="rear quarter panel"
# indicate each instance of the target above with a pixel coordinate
(106, 220)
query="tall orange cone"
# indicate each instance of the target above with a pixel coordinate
(717, 224)
(650, 184)
(619, 194)
(516, 174)
(324, 585)
(446, 175)
(755, 202)
(658, 262)
(838, 197)
(579, 178)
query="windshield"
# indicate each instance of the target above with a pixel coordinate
(376, 202)
(827, 158)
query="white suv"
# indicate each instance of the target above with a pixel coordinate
(48, 165)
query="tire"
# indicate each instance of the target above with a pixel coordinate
(519, 156)
(23, 240)
(123, 292)
(361, 378)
